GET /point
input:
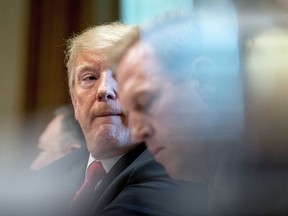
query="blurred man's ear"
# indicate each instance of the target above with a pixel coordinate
(202, 74)
(71, 148)
(217, 84)
(202, 66)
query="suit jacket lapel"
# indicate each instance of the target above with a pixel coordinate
(118, 168)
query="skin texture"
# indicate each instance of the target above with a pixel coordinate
(97, 108)
(160, 113)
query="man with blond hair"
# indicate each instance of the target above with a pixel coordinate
(131, 182)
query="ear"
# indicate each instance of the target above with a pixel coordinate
(203, 69)
(71, 147)
(203, 74)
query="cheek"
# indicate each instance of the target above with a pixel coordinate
(82, 104)
(133, 119)
(74, 99)
(124, 102)
(136, 119)
(165, 124)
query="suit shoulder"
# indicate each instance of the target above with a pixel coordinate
(145, 164)
(67, 162)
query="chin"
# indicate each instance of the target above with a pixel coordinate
(175, 173)
(185, 176)
(180, 171)
(101, 145)
(106, 146)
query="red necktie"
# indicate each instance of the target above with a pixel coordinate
(95, 173)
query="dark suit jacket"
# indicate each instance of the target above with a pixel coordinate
(136, 185)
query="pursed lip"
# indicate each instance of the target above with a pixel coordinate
(108, 113)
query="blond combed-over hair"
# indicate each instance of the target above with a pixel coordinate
(115, 54)
(97, 38)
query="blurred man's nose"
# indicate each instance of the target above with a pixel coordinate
(141, 129)
(107, 87)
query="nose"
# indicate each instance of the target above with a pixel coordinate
(107, 87)
(141, 129)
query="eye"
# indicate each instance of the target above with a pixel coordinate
(138, 106)
(144, 102)
(89, 77)
(88, 72)
(141, 105)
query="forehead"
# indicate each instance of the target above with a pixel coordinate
(139, 61)
(90, 56)
(90, 60)
(139, 75)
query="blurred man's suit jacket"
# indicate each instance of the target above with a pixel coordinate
(136, 185)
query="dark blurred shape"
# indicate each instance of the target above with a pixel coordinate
(62, 135)
(254, 178)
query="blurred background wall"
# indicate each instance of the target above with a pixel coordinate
(14, 28)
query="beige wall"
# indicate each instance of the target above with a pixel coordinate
(13, 39)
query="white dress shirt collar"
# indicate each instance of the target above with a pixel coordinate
(107, 163)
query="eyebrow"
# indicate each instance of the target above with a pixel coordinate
(84, 67)
(146, 94)
(139, 94)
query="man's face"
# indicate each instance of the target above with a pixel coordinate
(163, 114)
(95, 100)
(49, 144)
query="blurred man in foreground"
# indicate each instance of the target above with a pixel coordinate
(133, 177)
(182, 91)
(183, 94)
